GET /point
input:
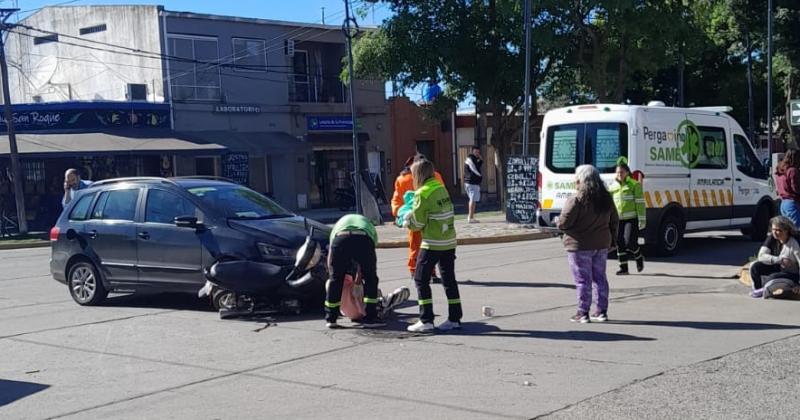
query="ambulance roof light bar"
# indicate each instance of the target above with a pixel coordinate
(714, 108)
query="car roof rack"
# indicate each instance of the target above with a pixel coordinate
(131, 179)
(206, 177)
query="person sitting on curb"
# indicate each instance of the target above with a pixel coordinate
(778, 257)
(353, 240)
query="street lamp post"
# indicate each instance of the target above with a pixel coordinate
(356, 164)
(769, 80)
(526, 121)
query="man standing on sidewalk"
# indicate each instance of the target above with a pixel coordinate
(472, 181)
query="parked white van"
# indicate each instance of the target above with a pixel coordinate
(696, 165)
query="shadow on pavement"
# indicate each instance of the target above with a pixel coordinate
(531, 284)
(397, 330)
(684, 276)
(715, 250)
(702, 325)
(11, 391)
(179, 301)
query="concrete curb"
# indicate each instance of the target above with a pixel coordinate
(514, 237)
(39, 244)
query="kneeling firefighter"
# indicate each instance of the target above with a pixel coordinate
(353, 240)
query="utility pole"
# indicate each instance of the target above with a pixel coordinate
(356, 164)
(751, 125)
(323, 15)
(526, 128)
(16, 171)
(769, 81)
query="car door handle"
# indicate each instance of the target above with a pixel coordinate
(144, 235)
(92, 234)
(738, 179)
(727, 178)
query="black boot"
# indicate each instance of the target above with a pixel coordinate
(623, 270)
(640, 264)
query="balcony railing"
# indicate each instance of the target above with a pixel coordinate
(316, 89)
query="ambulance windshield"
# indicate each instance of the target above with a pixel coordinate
(598, 144)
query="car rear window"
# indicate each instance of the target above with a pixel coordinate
(81, 209)
(598, 144)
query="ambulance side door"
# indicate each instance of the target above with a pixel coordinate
(750, 181)
(711, 174)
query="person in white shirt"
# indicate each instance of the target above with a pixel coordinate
(472, 181)
(778, 257)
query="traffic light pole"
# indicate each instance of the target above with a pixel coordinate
(19, 196)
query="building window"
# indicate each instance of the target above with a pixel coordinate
(45, 39)
(249, 54)
(193, 74)
(92, 29)
(137, 92)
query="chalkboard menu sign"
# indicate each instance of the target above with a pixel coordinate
(236, 167)
(521, 193)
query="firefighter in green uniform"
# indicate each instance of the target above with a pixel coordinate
(629, 200)
(432, 214)
(353, 240)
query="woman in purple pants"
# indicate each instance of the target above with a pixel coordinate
(589, 221)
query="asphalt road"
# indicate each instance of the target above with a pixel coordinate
(684, 341)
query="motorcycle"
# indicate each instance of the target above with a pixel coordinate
(246, 288)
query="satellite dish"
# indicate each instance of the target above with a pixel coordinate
(43, 71)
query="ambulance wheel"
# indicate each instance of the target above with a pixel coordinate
(760, 224)
(670, 235)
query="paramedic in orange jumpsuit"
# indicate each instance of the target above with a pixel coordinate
(402, 184)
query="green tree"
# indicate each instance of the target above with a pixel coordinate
(473, 47)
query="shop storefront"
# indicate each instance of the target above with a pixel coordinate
(101, 139)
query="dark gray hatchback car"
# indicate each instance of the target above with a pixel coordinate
(157, 234)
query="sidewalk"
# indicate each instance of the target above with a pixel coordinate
(490, 230)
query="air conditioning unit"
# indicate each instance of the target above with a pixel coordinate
(137, 92)
(288, 47)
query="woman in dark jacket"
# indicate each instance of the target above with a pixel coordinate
(787, 181)
(589, 221)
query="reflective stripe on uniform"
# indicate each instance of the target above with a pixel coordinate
(332, 305)
(445, 242)
(370, 300)
(453, 301)
(425, 301)
(441, 216)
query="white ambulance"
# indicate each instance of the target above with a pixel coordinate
(696, 165)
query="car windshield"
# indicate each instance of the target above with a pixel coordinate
(237, 202)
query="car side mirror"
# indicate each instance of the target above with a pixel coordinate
(190, 222)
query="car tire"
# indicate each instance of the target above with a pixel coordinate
(670, 236)
(760, 226)
(85, 285)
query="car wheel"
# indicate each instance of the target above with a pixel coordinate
(670, 235)
(85, 285)
(760, 224)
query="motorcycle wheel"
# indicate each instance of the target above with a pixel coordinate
(223, 299)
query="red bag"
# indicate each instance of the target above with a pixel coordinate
(353, 305)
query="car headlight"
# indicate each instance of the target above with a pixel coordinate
(270, 251)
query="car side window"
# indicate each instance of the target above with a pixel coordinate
(116, 205)
(81, 209)
(163, 207)
(746, 161)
